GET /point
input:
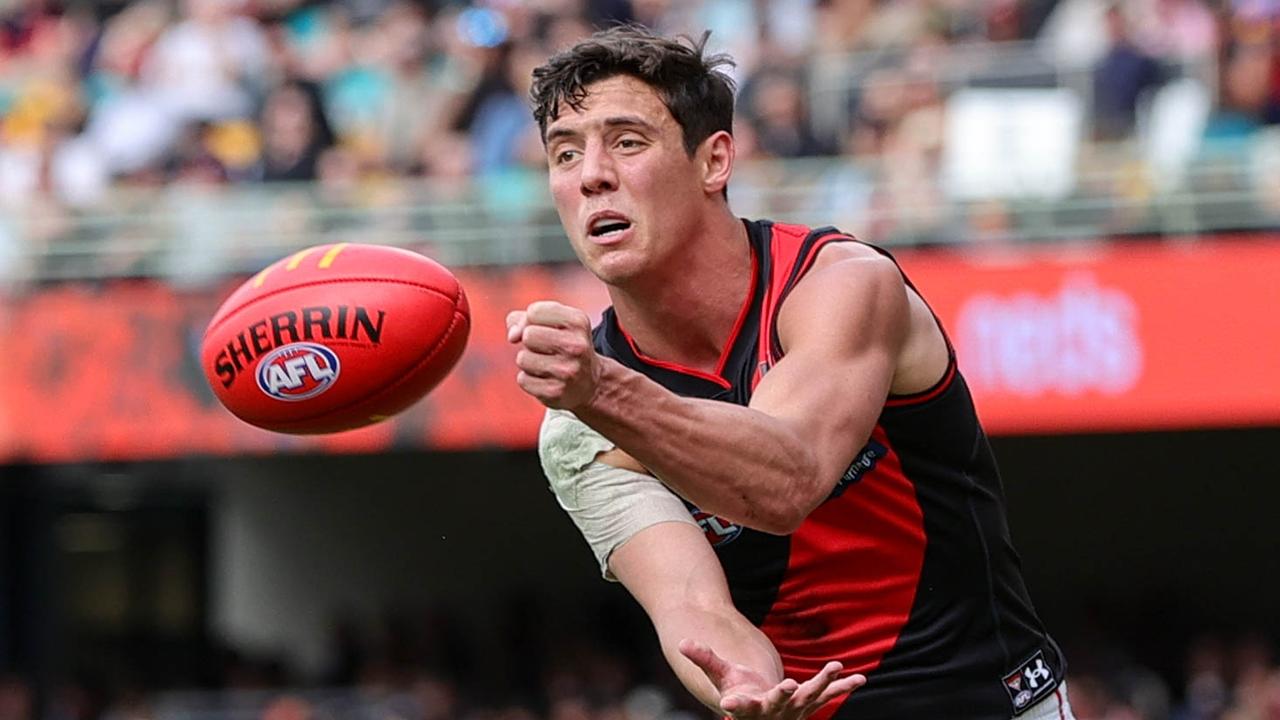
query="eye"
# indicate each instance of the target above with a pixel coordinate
(564, 156)
(630, 143)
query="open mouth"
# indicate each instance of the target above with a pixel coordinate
(607, 227)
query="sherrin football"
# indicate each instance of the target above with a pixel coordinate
(335, 337)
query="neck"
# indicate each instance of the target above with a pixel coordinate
(687, 314)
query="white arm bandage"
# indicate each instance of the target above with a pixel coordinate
(608, 504)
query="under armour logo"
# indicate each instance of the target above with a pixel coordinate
(1037, 674)
(1029, 682)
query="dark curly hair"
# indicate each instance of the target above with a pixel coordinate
(698, 94)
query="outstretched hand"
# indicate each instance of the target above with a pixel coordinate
(745, 694)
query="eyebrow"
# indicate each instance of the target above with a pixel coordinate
(614, 121)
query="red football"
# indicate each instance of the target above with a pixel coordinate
(335, 337)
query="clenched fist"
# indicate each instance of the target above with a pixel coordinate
(558, 364)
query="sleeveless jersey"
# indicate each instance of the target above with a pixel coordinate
(906, 573)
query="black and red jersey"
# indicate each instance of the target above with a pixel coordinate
(906, 572)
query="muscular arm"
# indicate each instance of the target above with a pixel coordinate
(647, 539)
(672, 572)
(767, 465)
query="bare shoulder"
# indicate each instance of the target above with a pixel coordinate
(852, 295)
(855, 267)
(854, 273)
(838, 251)
(868, 292)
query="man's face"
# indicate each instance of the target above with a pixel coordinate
(626, 190)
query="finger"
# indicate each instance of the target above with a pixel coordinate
(554, 314)
(774, 701)
(516, 322)
(548, 391)
(540, 338)
(707, 660)
(534, 386)
(545, 366)
(813, 687)
(778, 697)
(741, 706)
(843, 686)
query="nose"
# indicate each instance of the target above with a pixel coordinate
(598, 172)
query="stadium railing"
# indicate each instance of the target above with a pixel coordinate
(192, 234)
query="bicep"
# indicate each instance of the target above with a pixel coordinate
(842, 329)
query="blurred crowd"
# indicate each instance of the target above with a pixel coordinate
(431, 667)
(96, 94)
(1223, 677)
(102, 95)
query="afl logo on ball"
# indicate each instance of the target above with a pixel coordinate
(298, 371)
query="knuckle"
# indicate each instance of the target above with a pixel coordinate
(541, 307)
(564, 371)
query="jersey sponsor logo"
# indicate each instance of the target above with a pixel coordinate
(298, 371)
(718, 530)
(861, 465)
(1031, 681)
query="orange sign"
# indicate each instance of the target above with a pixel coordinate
(113, 374)
(1115, 337)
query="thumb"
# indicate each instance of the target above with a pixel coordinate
(517, 320)
(701, 654)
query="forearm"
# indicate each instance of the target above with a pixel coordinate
(729, 460)
(728, 634)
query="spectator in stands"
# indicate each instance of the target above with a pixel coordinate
(495, 115)
(426, 84)
(295, 132)
(1246, 101)
(1178, 30)
(1120, 81)
(776, 110)
(210, 64)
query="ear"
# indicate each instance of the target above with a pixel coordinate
(715, 158)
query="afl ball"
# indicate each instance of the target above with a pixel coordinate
(335, 337)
